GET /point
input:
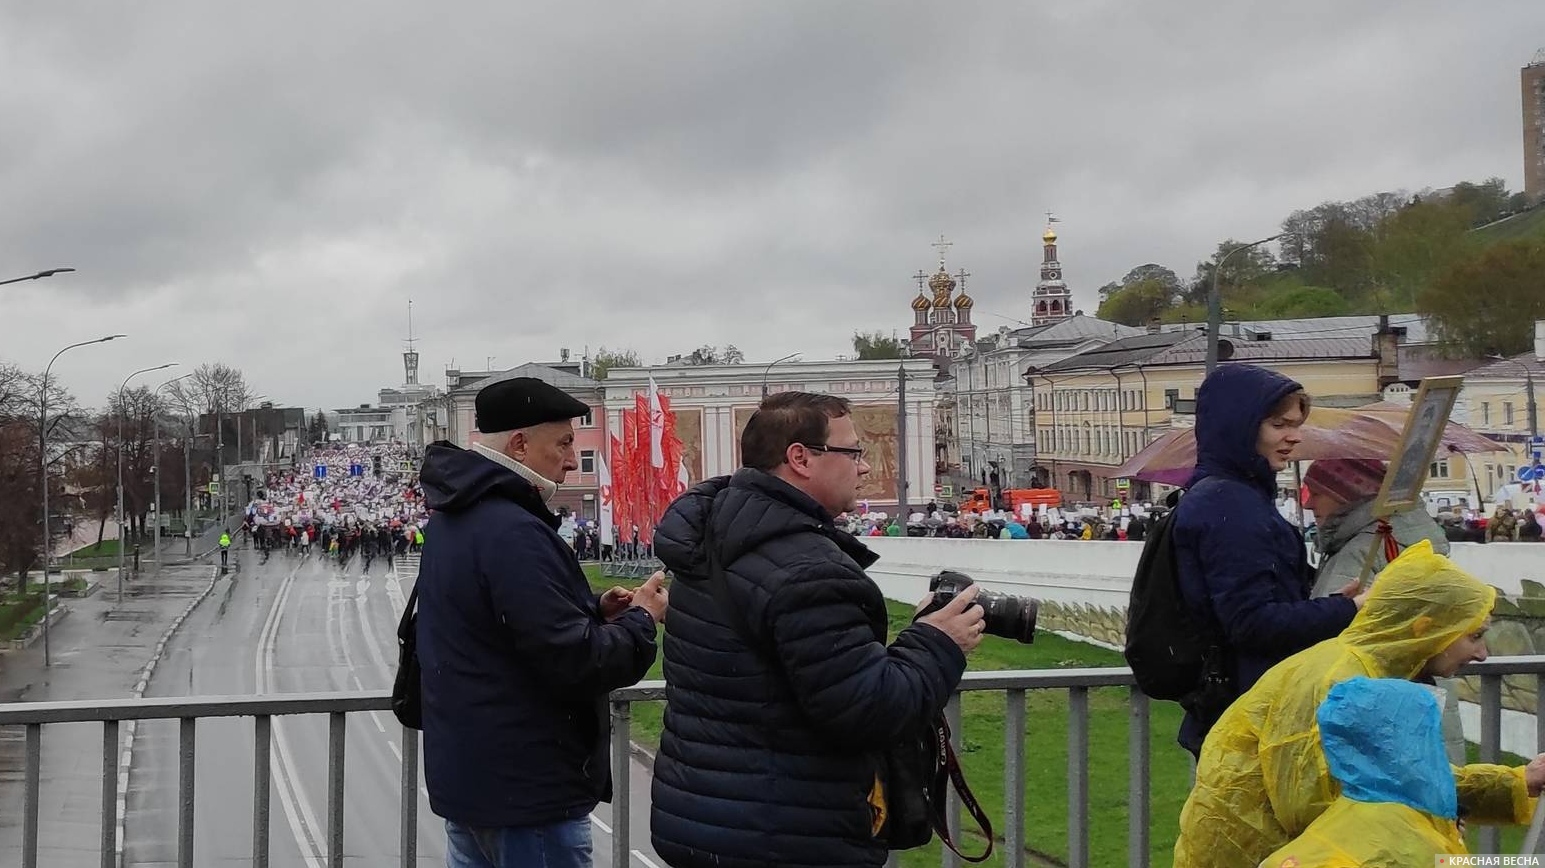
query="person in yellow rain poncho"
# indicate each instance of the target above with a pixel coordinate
(1261, 779)
(1383, 741)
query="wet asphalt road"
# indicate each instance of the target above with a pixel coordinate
(287, 626)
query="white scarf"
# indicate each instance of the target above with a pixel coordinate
(544, 486)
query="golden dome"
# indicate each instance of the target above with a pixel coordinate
(942, 285)
(964, 302)
(1050, 237)
(920, 303)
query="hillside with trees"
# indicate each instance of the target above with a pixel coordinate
(1447, 253)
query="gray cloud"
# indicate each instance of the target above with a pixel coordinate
(267, 185)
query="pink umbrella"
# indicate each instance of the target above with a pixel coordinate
(1366, 432)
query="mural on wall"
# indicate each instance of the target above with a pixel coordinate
(689, 430)
(876, 424)
(742, 416)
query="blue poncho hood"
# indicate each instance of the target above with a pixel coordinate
(1383, 742)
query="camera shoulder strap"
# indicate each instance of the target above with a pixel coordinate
(949, 773)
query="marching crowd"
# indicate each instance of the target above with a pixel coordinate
(364, 501)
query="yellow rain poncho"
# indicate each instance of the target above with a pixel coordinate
(1262, 778)
(1384, 745)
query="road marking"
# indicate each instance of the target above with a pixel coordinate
(297, 810)
(644, 859)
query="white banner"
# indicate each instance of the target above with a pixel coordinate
(604, 515)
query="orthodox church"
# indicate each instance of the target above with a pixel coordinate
(941, 319)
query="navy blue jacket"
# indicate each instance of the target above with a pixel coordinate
(1241, 565)
(770, 746)
(516, 661)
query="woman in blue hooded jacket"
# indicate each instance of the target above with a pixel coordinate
(1243, 569)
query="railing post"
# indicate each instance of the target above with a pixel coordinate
(952, 801)
(1539, 713)
(1137, 781)
(1491, 747)
(1014, 779)
(409, 831)
(622, 722)
(262, 732)
(336, 727)
(109, 845)
(1078, 777)
(30, 787)
(186, 730)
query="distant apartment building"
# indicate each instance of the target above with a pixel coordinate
(1533, 79)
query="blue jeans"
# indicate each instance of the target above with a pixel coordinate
(565, 844)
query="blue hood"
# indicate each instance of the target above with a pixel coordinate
(1230, 407)
(1383, 742)
(455, 479)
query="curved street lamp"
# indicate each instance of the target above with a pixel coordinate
(1215, 300)
(43, 476)
(122, 409)
(41, 274)
(767, 370)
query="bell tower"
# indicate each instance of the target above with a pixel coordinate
(1051, 301)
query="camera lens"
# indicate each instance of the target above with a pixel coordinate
(1009, 616)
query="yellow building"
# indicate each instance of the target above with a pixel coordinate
(1496, 401)
(1099, 408)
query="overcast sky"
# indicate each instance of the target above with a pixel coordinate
(267, 184)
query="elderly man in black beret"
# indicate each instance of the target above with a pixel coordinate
(517, 654)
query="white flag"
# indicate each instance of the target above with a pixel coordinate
(656, 427)
(683, 478)
(605, 487)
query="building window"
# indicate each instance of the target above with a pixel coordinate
(1507, 413)
(1486, 413)
(1439, 469)
(587, 420)
(587, 461)
(1170, 397)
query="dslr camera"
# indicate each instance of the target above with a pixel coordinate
(1007, 615)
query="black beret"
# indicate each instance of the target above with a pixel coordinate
(522, 402)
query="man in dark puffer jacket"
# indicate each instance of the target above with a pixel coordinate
(769, 751)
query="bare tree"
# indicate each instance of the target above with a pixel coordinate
(215, 387)
(21, 497)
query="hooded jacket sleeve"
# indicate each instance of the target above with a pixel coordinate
(857, 689)
(1239, 576)
(557, 627)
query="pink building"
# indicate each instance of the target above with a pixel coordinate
(580, 491)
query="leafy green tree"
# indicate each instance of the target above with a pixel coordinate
(1488, 303)
(876, 345)
(1139, 303)
(606, 359)
(1414, 246)
(1300, 301)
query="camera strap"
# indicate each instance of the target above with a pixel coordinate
(949, 773)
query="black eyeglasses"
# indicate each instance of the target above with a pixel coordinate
(854, 452)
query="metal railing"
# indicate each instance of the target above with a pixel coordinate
(33, 717)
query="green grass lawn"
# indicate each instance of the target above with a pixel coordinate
(17, 613)
(107, 548)
(1046, 753)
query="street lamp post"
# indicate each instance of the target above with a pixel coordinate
(41, 274)
(1215, 301)
(43, 478)
(123, 409)
(768, 370)
(1533, 408)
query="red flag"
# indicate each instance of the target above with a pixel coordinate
(643, 474)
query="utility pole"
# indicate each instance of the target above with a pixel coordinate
(901, 441)
(187, 489)
(1215, 301)
(155, 473)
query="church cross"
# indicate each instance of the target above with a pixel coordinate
(921, 277)
(943, 246)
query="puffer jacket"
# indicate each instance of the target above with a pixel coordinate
(768, 756)
(1240, 565)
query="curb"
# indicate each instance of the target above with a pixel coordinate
(126, 755)
(55, 615)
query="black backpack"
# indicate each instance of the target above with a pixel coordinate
(407, 699)
(1167, 647)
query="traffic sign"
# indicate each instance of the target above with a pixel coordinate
(320, 471)
(1534, 473)
(1123, 484)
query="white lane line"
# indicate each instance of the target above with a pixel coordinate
(644, 859)
(297, 810)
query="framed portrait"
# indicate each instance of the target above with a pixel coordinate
(1430, 409)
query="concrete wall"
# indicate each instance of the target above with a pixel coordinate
(1084, 588)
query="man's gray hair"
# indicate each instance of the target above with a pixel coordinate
(497, 440)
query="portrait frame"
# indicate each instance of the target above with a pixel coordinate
(1431, 407)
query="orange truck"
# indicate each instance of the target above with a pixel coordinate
(980, 499)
